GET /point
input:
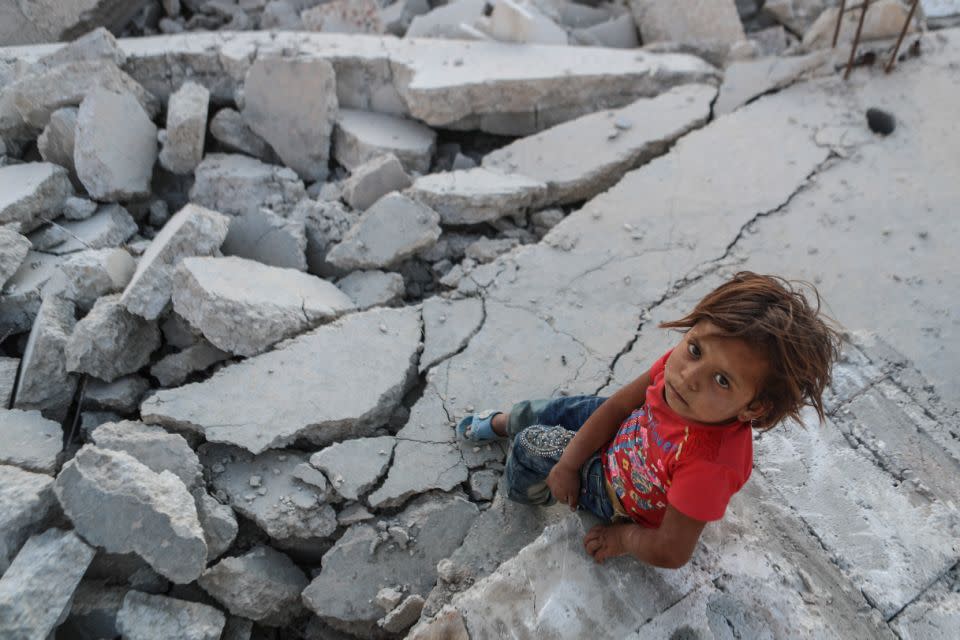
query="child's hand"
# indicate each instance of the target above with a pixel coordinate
(564, 484)
(606, 541)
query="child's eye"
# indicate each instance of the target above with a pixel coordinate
(693, 349)
(721, 380)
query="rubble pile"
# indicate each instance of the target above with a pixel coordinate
(234, 269)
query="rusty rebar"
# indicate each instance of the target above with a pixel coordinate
(903, 32)
(836, 30)
(856, 39)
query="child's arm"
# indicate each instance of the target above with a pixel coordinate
(599, 429)
(669, 546)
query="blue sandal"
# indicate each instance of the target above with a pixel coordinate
(478, 427)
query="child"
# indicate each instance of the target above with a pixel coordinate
(663, 455)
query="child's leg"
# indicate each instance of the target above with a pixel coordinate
(567, 412)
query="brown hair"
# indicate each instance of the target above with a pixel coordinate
(772, 313)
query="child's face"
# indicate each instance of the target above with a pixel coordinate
(713, 378)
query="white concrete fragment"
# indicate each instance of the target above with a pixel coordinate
(186, 128)
(374, 179)
(8, 378)
(447, 326)
(360, 136)
(373, 288)
(122, 395)
(522, 22)
(111, 226)
(291, 104)
(404, 615)
(192, 231)
(21, 297)
(477, 195)
(445, 21)
(13, 251)
(29, 441)
(119, 504)
(344, 16)
(114, 167)
(97, 44)
(32, 192)
(244, 307)
(148, 617)
(110, 342)
(45, 382)
(75, 208)
(56, 143)
(229, 129)
(267, 238)
(153, 447)
(218, 522)
(708, 27)
(262, 399)
(27, 504)
(174, 369)
(390, 231)
(236, 184)
(355, 466)
(85, 276)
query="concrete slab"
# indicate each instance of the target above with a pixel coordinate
(355, 466)
(448, 325)
(374, 179)
(29, 441)
(478, 195)
(361, 136)
(153, 447)
(267, 238)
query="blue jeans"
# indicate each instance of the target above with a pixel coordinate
(541, 430)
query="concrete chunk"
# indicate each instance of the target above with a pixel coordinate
(709, 27)
(238, 184)
(32, 192)
(445, 21)
(75, 208)
(8, 378)
(390, 231)
(50, 21)
(21, 298)
(45, 382)
(373, 180)
(97, 44)
(291, 104)
(173, 370)
(262, 585)
(13, 251)
(153, 447)
(325, 224)
(122, 395)
(229, 129)
(404, 615)
(218, 522)
(85, 276)
(192, 231)
(448, 324)
(361, 136)
(477, 195)
(522, 22)
(119, 504)
(110, 342)
(373, 288)
(36, 590)
(268, 238)
(147, 617)
(56, 143)
(110, 227)
(355, 466)
(244, 307)
(186, 127)
(114, 165)
(29, 441)
(27, 504)
(344, 16)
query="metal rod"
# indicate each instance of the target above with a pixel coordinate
(856, 39)
(836, 30)
(903, 32)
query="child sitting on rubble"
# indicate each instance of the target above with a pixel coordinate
(662, 456)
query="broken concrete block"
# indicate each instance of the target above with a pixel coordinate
(746, 80)
(36, 590)
(267, 238)
(522, 22)
(111, 226)
(264, 489)
(218, 522)
(229, 129)
(56, 143)
(13, 251)
(147, 617)
(98, 44)
(419, 467)
(85, 276)
(110, 342)
(359, 565)
(884, 19)
(75, 208)
(612, 142)
(45, 382)
(261, 399)
(617, 33)
(117, 503)
(192, 231)
(122, 395)
(390, 231)
(173, 370)
(711, 28)
(153, 447)
(29, 441)
(27, 505)
(262, 585)
(374, 179)
(114, 165)
(186, 128)
(236, 184)
(355, 466)
(291, 104)
(445, 21)
(388, 598)
(361, 136)
(373, 288)
(477, 195)
(21, 297)
(244, 307)
(487, 249)
(403, 616)
(32, 192)
(483, 484)
(325, 224)
(52, 21)
(8, 378)
(447, 326)
(344, 16)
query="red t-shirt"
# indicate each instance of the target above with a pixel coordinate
(659, 458)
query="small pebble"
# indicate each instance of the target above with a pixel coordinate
(255, 481)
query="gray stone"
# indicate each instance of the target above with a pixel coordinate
(447, 326)
(286, 509)
(147, 617)
(261, 399)
(390, 231)
(291, 104)
(56, 143)
(119, 504)
(344, 16)
(373, 288)
(110, 227)
(483, 484)
(236, 184)
(356, 568)
(477, 195)
(8, 378)
(29, 441)
(419, 467)
(32, 192)
(85, 276)
(51, 21)
(45, 382)
(173, 370)
(268, 238)
(110, 342)
(27, 505)
(122, 395)
(192, 231)
(244, 307)
(608, 150)
(361, 136)
(710, 28)
(218, 522)
(75, 208)
(745, 80)
(153, 447)
(186, 128)
(13, 251)
(355, 466)
(262, 585)
(325, 224)
(403, 617)
(229, 129)
(21, 297)
(487, 249)
(374, 179)
(35, 591)
(98, 44)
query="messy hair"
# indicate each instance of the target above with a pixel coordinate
(773, 314)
